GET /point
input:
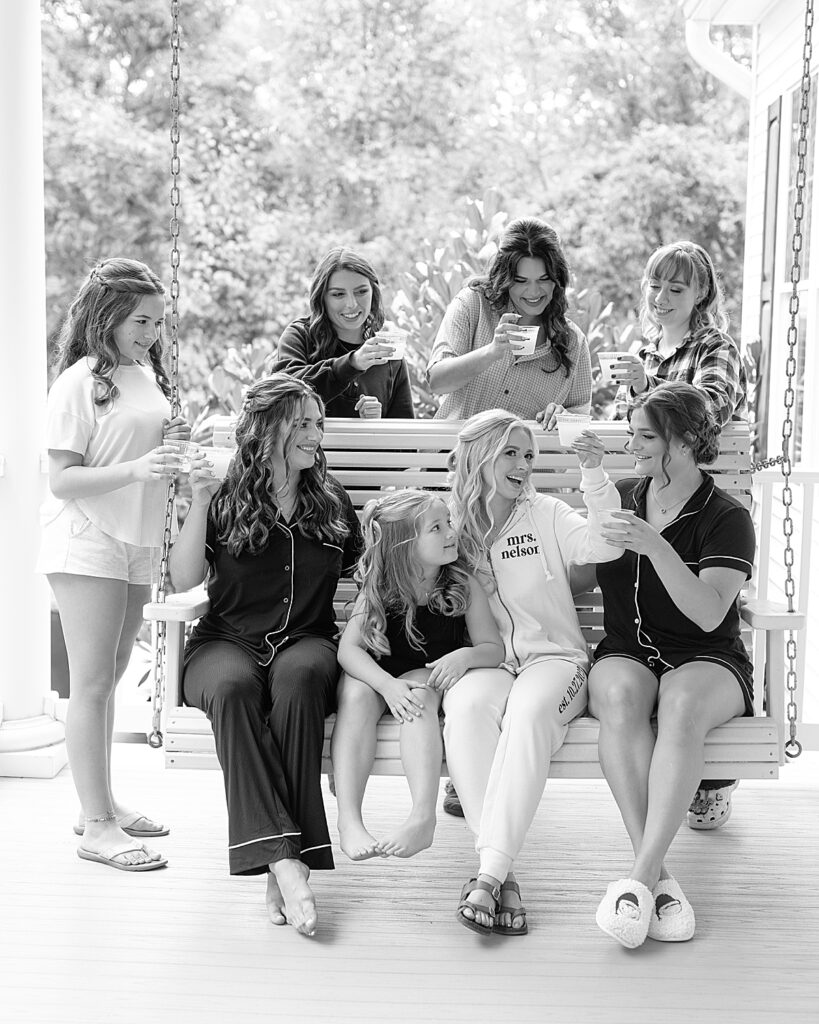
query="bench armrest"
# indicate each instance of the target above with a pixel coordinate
(184, 607)
(770, 615)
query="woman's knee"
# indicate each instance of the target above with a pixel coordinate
(619, 696)
(358, 700)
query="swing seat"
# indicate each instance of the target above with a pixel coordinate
(412, 453)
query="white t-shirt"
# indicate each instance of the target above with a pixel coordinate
(120, 431)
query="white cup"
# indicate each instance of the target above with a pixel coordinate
(523, 338)
(607, 361)
(184, 451)
(570, 426)
(397, 338)
(220, 458)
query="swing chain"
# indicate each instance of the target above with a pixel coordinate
(793, 748)
(159, 646)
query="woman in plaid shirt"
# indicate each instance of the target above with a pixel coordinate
(685, 326)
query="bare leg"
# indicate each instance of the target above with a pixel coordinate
(693, 700)
(421, 755)
(622, 695)
(299, 902)
(353, 752)
(93, 613)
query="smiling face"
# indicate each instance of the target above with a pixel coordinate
(648, 448)
(303, 440)
(531, 291)
(435, 544)
(347, 303)
(140, 330)
(510, 471)
(671, 302)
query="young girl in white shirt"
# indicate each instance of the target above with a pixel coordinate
(108, 416)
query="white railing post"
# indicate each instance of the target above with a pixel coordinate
(31, 738)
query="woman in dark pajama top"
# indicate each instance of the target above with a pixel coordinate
(272, 541)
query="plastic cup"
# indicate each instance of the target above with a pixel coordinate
(184, 452)
(220, 458)
(607, 361)
(398, 340)
(608, 519)
(523, 339)
(570, 426)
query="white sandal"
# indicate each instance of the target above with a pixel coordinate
(710, 808)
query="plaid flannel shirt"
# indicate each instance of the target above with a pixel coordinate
(711, 361)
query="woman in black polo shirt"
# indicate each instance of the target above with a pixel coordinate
(272, 541)
(672, 647)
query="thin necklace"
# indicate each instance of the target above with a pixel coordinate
(668, 508)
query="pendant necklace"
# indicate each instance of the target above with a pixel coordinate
(665, 511)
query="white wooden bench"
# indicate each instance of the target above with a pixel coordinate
(369, 456)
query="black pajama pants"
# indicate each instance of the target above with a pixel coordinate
(268, 722)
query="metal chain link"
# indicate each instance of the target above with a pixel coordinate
(793, 748)
(158, 667)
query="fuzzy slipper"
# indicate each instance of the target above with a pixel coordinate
(111, 859)
(130, 823)
(625, 912)
(672, 918)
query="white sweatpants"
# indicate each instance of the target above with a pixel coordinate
(500, 733)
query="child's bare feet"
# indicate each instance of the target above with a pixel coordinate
(357, 842)
(410, 838)
(274, 900)
(299, 902)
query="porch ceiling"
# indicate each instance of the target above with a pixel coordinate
(728, 12)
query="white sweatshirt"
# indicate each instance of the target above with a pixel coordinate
(530, 559)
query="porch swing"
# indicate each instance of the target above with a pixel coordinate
(743, 748)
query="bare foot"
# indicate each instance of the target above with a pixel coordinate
(274, 900)
(410, 838)
(299, 901)
(357, 842)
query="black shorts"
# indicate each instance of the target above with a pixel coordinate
(737, 664)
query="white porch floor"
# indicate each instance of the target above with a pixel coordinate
(82, 943)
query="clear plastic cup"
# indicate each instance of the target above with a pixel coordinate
(398, 340)
(184, 452)
(570, 426)
(607, 361)
(523, 339)
(220, 458)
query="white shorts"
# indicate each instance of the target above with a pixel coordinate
(71, 543)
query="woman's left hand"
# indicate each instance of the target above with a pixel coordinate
(548, 418)
(447, 670)
(177, 429)
(589, 449)
(632, 533)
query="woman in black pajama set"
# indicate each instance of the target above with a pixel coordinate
(261, 663)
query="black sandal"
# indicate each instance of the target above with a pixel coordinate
(504, 908)
(478, 908)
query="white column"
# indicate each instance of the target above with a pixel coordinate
(31, 739)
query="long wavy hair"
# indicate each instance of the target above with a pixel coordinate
(480, 441)
(678, 411)
(685, 261)
(106, 299)
(244, 511)
(388, 570)
(322, 332)
(537, 240)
